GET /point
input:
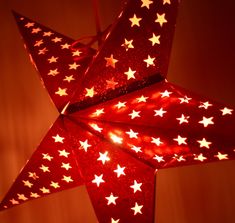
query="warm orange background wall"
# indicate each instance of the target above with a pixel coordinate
(203, 60)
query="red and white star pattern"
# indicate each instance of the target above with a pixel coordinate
(53, 167)
(124, 122)
(52, 57)
(143, 38)
(180, 133)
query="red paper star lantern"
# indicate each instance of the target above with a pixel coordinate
(121, 121)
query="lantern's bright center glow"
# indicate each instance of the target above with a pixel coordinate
(115, 138)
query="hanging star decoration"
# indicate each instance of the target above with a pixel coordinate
(120, 119)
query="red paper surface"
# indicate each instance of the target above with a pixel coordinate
(121, 119)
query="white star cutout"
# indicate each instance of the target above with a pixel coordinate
(69, 78)
(136, 186)
(13, 201)
(130, 74)
(98, 180)
(38, 42)
(114, 221)
(96, 127)
(135, 21)
(166, 2)
(185, 99)
(146, 3)
(159, 112)
(22, 197)
(90, 92)
(56, 39)
(119, 171)
(63, 153)
(61, 92)
(134, 114)
(27, 183)
(67, 179)
(84, 145)
(110, 61)
(166, 94)
(200, 157)
(46, 156)
(136, 149)
(65, 46)
(221, 156)
(180, 140)
(141, 99)
(44, 168)
(52, 59)
(226, 111)
(128, 44)
(179, 158)
(76, 53)
(120, 104)
(103, 157)
(55, 184)
(73, 66)
(132, 134)
(34, 195)
(158, 158)
(42, 51)
(204, 143)
(161, 19)
(29, 24)
(149, 61)
(33, 175)
(111, 199)
(44, 190)
(53, 72)
(205, 105)
(98, 112)
(154, 39)
(58, 138)
(156, 141)
(183, 119)
(36, 30)
(66, 166)
(49, 33)
(137, 208)
(206, 121)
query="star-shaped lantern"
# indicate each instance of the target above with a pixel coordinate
(120, 120)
